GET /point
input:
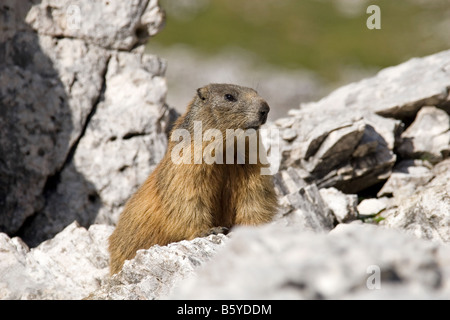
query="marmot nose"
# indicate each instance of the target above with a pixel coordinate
(263, 112)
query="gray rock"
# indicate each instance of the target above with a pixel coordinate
(346, 140)
(289, 181)
(300, 204)
(289, 134)
(372, 206)
(69, 266)
(428, 136)
(348, 150)
(425, 213)
(45, 101)
(397, 92)
(344, 206)
(124, 140)
(82, 123)
(110, 24)
(353, 261)
(407, 176)
(338, 144)
(306, 210)
(127, 136)
(285, 122)
(155, 272)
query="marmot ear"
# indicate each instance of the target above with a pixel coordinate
(202, 93)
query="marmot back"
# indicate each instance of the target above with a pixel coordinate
(195, 191)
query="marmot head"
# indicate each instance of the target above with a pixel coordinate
(232, 106)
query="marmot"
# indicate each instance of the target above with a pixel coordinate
(181, 201)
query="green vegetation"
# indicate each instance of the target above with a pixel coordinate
(312, 34)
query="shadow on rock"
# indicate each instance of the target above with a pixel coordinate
(37, 131)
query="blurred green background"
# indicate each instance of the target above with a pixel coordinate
(327, 38)
(318, 35)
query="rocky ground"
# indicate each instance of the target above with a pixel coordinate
(363, 183)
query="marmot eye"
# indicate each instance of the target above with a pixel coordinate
(230, 97)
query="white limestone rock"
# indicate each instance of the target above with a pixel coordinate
(353, 261)
(69, 266)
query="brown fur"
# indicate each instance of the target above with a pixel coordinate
(184, 201)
